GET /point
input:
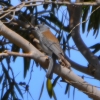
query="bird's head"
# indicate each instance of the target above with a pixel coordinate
(42, 27)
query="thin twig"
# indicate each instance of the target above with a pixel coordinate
(84, 20)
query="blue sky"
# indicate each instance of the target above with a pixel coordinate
(38, 75)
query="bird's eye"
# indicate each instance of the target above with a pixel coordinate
(39, 27)
(36, 28)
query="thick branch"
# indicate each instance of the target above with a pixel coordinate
(60, 2)
(68, 75)
(23, 43)
(74, 20)
(78, 67)
(73, 64)
(78, 82)
(81, 68)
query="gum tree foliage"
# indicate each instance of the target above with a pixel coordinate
(64, 19)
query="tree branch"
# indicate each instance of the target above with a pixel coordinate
(92, 59)
(24, 44)
(59, 2)
(68, 75)
(78, 67)
(77, 82)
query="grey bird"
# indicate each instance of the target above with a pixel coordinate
(51, 47)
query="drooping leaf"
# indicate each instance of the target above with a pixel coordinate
(1, 78)
(30, 95)
(19, 90)
(55, 81)
(49, 87)
(54, 95)
(68, 46)
(8, 91)
(2, 89)
(13, 94)
(60, 36)
(96, 48)
(53, 7)
(27, 62)
(64, 44)
(6, 72)
(52, 18)
(73, 93)
(15, 49)
(67, 88)
(84, 17)
(94, 24)
(68, 37)
(41, 91)
(45, 6)
(6, 95)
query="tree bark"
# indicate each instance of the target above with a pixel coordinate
(65, 73)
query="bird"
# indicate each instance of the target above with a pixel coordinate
(51, 47)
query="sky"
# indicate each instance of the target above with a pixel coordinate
(38, 75)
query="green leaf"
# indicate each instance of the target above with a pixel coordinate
(8, 91)
(18, 89)
(45, 6)
(94, 22)
(41, 90)
(60, 36)
(55, 81)
(68, 37)
(53, 7)
(6, 72)
(54, 95)
(49, 87)
(85, 14)
(6, 95)
(13, 94)
(67, 88)
(52, 18)
(2, 89)
(96, 48)
(27, 62)
(1, 77)
(15, 49)
(73, 93)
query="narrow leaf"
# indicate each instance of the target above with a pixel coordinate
(1, 77)
(8, 91)
(18, 89)
(6, 72)
(41, 90)
(54, 95)
(67, 88)
(16, 49)
(68, 37)
(73, 93)
(55, 81)
(26, 65)
(49, 87)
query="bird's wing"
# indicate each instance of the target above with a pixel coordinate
(56, 49)
(52, 46)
